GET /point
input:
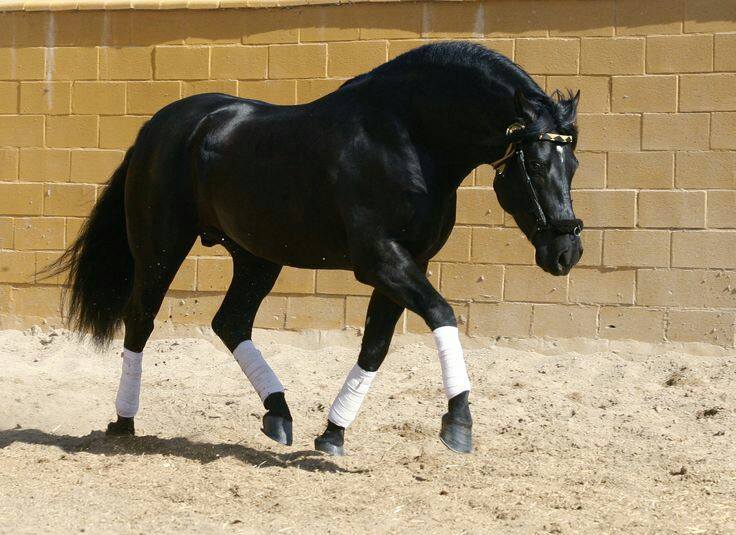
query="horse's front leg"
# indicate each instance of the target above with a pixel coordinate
(380, 322)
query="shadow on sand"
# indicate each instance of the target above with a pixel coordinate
(98, 443)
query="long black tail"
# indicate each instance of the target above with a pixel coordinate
(99, 265)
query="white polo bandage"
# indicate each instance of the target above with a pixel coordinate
(257, 370)
(129, 390)
(454, 372)
(347, 403)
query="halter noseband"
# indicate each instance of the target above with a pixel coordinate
(561, 226)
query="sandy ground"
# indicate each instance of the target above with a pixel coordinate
(571, 437)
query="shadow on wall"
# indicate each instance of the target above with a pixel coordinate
(495, 18)
(97, 443)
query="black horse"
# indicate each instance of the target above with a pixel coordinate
(363, 179)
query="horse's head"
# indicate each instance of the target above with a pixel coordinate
(534, 176)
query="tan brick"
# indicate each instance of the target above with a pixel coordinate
(196, 87)
(214, 274)
(214, 250)
(595, 20)
(18, 63)
(605, 208)
(105, 98)
(702, 326)
(21, 130)
(675, 131)
(356, 308)
(500, 319)
(267, 26)
(90, 28)
(617, 55)
(350, 59)
(595, 96)
(295, 281)
(634, 17)
(649, 170)
(297, 61)
(71, 131)
(312, 312)
(44, 165)
(48, 98)
(565, 321)
(149, 97)
(679, 53)
(609, 132)
(181, 62)
(530, 283)
(21, 199)
(722, 209)
(17, 266)
(636, 248)
(502, 46)
(710, 16)
(310, 90)
(478, 206)
(707, 92)
(686, 288)
(723, 131)
(390, 21)
(444, 20)
(37, 301)
(119, 132)
(340, 283)
(158, 27)
(216, 26)
(644, 93)
(704, 249)
(272, 313)
(602, 286)
(457, 248)
(396, 48)
(6, 232)
(44, 233)
(95, 166)
(632, 323)
(484, 175)
(592, 170)
(196, 309)
(68, 199)
(592, 248)
(472, 282)
(9, 97)
(9, 157)
(504, 18)
(672, 209)
(126, 63)
(73, 228)
(186, 276)
(274, 91)
(501, 246)
(329, 23)
(548, 56)
(725, 52)
(44, 259)
(706, 170)
(240, 62)
(415, 324)
(72, 63)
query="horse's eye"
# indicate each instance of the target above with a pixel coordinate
(536, 166)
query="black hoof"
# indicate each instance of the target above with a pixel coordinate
(277, 428)
(324, 445)
(123, 427)
(456, 435)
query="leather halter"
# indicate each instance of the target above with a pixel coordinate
(561, 226)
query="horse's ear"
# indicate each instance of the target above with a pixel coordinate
(576, 99)
(524, 107)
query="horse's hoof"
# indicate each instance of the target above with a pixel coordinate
(324, 445)
(277, 428)
(456, 435)
(123, 427)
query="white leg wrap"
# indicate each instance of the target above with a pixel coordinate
(129, 391)
(257, 370)
(454, 373)
(347, 403)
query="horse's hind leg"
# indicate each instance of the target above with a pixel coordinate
(158, 252)
(253, 279)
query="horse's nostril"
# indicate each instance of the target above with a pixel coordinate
(564, 260)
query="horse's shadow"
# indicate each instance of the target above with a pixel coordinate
(98, 443)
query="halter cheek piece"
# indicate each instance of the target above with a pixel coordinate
(515, 150)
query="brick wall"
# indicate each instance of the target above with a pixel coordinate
(656, 188)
